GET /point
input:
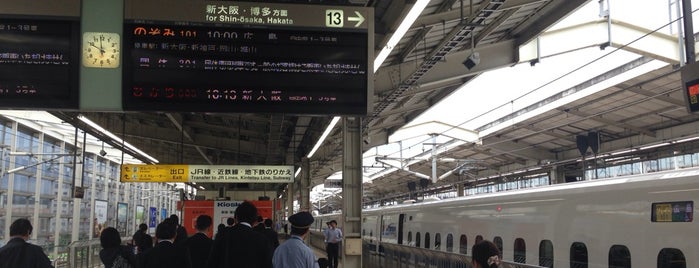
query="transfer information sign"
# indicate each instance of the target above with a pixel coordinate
(207, 173)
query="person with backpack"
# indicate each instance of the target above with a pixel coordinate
(113, 253)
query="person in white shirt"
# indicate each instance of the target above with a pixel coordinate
(333, 237)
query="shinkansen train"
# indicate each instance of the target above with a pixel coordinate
(641, 220)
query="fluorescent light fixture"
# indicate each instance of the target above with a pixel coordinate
(296, 174)
(325, 135)
(654, 146)
(687, 139)
(115, 138)
(408, 21)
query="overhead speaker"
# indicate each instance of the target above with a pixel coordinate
(593, 141)
(424, 183)
(581, 142)
(472, 60)
(412, 186)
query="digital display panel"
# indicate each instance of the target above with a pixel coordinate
(237, 69)
(226, 56)
(682, 211)
(39, 63)
(692, 95)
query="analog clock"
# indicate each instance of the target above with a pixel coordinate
(101, 50)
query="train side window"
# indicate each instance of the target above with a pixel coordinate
(417, 239)
(619, 257)
(479, 238)
(546, 253)
(450, 243)
(437, 242)
(671, 258)
(578, 255)
(427, 240)
(520, 249)
(498, 242)
(410, 237)
(463, 245)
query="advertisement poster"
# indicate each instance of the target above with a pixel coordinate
(163, 214)
(122, 217)
(192, 210)
(100, 217)
(153, 217)
(140, 215)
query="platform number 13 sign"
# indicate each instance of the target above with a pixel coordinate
(334, 18)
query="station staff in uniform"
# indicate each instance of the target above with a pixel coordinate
(294, 253)
(333, 236)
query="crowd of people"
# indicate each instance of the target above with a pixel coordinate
(247, 242)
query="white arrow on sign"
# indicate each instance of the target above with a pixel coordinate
(358, 19)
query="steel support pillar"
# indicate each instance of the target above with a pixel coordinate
(290, 196)
(305, 190)
(352, 192)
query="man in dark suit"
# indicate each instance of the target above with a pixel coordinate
(18, 253)
(241, 246)
(165, 254)
(181, 231)
(199, 244)
(259, 225)
(271, 234)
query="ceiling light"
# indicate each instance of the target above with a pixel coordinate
(114, 137)
(403, 28)
(325, 135)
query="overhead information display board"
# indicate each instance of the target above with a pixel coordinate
(207, 173)
(223, 56)
(39, 54)
(690, 82)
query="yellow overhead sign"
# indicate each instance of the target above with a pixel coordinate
(154, 173)
(207, 173)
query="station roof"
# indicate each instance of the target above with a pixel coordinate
(424, 68)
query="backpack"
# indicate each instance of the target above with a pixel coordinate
(121, 262)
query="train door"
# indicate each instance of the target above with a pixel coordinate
(401, 219)
(389, 229)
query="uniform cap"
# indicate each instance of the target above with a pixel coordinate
(302, 219)
(332, 221)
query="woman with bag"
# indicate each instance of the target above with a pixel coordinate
(113, 253)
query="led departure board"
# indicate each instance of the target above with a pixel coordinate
(39, 65)
(690, 80)
(245, 57)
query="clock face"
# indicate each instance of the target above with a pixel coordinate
(101, 50)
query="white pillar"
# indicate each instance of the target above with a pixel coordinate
(10, 183)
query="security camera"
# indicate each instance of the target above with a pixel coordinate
(472, 60)
(103, 152)
(367, 140)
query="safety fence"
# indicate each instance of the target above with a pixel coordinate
(82, 254)
(401, 256)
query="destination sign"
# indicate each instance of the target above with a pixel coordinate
(672, 211)
(207, 173)
(187, 12)
(39, 48)
(222, 56)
